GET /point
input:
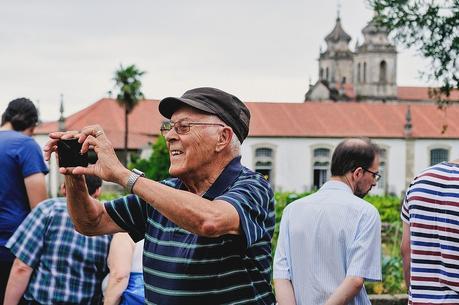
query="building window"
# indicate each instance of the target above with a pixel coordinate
(438, 155)
(264, 152)
(358, 72)
(343, 81)
(383, 72)
(326, 74)
(321, 165)
(364, 72)
(264, 161)
(321, 73)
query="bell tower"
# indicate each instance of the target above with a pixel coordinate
(335, 64)
(375, 65)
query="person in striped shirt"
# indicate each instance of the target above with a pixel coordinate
(208, 230)
(330, 241)
(430, 240)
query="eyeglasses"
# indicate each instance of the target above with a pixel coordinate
(183, 127)
(376, 175)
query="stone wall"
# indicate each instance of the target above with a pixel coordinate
(385, 299)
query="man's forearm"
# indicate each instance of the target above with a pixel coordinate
(284, 292)
(190, 211)
(17, 282)
(405, 250)
(88, 215)
(346, 291)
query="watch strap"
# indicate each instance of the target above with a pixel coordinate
(133, 177)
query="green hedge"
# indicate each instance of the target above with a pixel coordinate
(389, 209)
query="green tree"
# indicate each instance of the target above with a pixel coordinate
(127, 81)
(431, 27)
(156, 167)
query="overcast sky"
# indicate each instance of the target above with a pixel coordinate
(259, 50)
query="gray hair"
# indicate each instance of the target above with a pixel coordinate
(235, 145)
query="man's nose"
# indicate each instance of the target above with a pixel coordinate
(171, 135)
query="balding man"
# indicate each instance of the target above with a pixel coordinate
(330, 241)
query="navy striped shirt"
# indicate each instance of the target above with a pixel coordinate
(431, 208)
(181, 267)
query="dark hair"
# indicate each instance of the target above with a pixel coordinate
(93, 183)
(21, 113)
(351, 154)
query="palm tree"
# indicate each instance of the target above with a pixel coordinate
(127, 81)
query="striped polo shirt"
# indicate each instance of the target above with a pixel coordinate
(181, 267)
(431, 208)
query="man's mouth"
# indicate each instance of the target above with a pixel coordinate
(176, 152)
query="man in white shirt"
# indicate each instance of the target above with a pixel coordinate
(330, 241)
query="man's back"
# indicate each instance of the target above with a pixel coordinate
(68, 267)
(327, 232)
(431, 210)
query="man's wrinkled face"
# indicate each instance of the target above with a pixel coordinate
(368, 180)
(194, 150)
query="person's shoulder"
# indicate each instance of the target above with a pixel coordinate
(52, 204)
(300, 203)
(368, 210)
(14, 138)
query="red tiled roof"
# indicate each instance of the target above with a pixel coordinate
(144, 122)
(310, 119)
(348, 119)
(421, 94)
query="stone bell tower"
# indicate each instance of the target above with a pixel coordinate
(375, 65)
(335, 64)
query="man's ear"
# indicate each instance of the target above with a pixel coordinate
(357, 173)
(224, 139)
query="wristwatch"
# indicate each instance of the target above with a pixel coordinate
(133, 177)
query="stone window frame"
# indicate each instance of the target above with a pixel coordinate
(359, 79)
(432, 147)
(385, 174)
(313, 147)
(383, 76)
(364, 72)
(256, 159)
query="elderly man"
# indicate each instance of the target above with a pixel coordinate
(330, 241)
(208, 231)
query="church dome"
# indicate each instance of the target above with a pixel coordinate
(338, 34)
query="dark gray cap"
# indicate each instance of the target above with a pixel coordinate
(227, 107)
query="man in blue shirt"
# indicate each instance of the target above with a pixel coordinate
(55, 264)
(208, 230)
(330, 242)
(22, 175)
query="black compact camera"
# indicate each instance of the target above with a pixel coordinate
(69, 153)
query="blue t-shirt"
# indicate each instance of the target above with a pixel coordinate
(20, 157)
(182, 268)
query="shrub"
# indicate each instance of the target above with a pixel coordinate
(156, 167)
(389, 209)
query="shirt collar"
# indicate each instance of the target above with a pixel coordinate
(336, 185)
(224, 181)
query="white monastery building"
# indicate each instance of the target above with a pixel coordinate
(292, 143)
